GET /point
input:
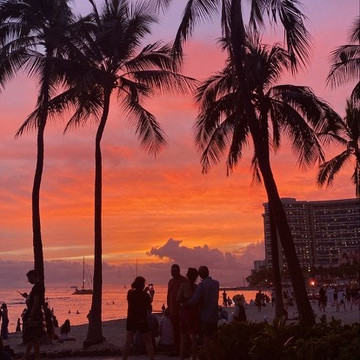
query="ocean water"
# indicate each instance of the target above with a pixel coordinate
(76, 307)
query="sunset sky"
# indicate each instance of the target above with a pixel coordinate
(156, 210)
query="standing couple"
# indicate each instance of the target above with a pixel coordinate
(185, 301)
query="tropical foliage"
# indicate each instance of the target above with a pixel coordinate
(105, 58)
(239, 78)
(279, 341)
(32, 33)
(345, 62)
(227, 122)
(347, 138)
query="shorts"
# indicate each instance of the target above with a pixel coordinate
(209, 329)
(137, 324)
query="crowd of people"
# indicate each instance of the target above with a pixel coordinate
(192, 312)
(340, 297)
(190, 316)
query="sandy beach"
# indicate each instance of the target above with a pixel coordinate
(114, 332)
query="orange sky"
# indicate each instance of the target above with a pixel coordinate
(147, 201)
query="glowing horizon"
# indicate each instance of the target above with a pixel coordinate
(146, 201)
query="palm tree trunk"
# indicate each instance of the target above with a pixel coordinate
(43, 102)
(237, 52)
(95, 334)
(36, 222)
(306, 314)
(279, 303)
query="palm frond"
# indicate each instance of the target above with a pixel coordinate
(214, 148)
(297, 37)
(148, 130)
(356, 179)
(165, 81)
(345, 66)
(330, 168)
(256, 173)
(195, 12)
(355, 31)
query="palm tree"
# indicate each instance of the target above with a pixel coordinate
(226, 121)
(349, 138)
(31, 34)
(234, 33)
(104, 59)
(346, 63)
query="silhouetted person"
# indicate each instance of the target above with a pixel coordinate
(139, 305)
(5, 322)
(32, 320)
(174, 305)
(50, 329)
(207, 296)
(18, 325)
(225, 299)
(189, 315)
(65, 330)
(239, 312)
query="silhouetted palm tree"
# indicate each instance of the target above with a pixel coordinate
(346, 63)
(234, 33)
(31, 34)
(349, 139)
(226, 121)
(106, 59)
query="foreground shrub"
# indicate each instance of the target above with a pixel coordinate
(281, 341)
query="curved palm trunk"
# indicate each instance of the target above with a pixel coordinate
(95, 334)
(306, 314)
(36, 221)
(238, 41)
(279, 303)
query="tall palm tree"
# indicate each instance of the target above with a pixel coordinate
(31, 34)
(226, 121)
(106, 58)
(346, 63)
(234, 33)
(349, 139)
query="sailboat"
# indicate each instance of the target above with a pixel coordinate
(83, 290)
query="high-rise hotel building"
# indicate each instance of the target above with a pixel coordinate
(323, 231)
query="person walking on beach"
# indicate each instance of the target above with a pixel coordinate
(139, 304)
(322, 299)
(5, 322)
(207, 296)
(174, 306)
(225, 300)
(189, 315)
(33, 317)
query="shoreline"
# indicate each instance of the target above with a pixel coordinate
(114, 332)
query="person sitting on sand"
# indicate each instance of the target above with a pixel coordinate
(65, 329)
(50, 329)
(166, 330)
(239, 313)
(139, 304)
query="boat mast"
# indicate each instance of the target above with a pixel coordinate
(83, 279)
